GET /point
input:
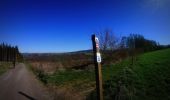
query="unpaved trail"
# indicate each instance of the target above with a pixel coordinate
(20, 84)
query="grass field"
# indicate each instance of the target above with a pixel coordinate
(148, 78)
(4, 66)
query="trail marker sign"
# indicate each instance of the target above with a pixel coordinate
(98, 57)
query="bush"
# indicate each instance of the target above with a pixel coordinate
(42, 76)
(38, 71)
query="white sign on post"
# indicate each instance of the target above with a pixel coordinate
(99, 58)
(97, 40)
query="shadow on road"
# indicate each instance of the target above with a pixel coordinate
(27, 96)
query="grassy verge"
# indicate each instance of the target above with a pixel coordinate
(4, 66)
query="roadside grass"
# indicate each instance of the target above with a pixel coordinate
(4, 66)
(67, 82)
(82, 81)
(148, 78)
(74, 78)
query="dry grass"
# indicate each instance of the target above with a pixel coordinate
(73, 90)
(65, 93)
(47, 67)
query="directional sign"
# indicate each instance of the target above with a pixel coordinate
(98, 57)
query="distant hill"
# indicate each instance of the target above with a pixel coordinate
(77, 59)
(52, 54)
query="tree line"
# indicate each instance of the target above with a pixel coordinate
(9, 53)
(109, 41)
(116, 48)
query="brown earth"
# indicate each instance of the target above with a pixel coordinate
(20, 84)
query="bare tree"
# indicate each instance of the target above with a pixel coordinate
(122, 44)
(104, 38)
(108, 40)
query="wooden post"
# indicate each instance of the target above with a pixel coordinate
(98, 72)
(14, 58)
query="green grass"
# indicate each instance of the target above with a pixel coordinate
(148, 78)
(73, 78)
(4, 66)
(153, 71)
(63, 77)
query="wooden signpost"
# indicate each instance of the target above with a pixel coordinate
(98, 72)
(14, 59)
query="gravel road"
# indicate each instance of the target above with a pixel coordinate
(21, 84)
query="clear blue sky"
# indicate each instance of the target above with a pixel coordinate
(66, 25)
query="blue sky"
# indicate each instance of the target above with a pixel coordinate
(66, 25)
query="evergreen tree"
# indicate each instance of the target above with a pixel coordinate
(9, 53)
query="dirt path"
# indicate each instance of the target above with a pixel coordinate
(20, 84)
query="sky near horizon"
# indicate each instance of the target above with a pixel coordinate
(67, 25)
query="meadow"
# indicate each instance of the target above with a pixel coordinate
(148, 78)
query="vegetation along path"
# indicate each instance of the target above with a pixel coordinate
(20, 84)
